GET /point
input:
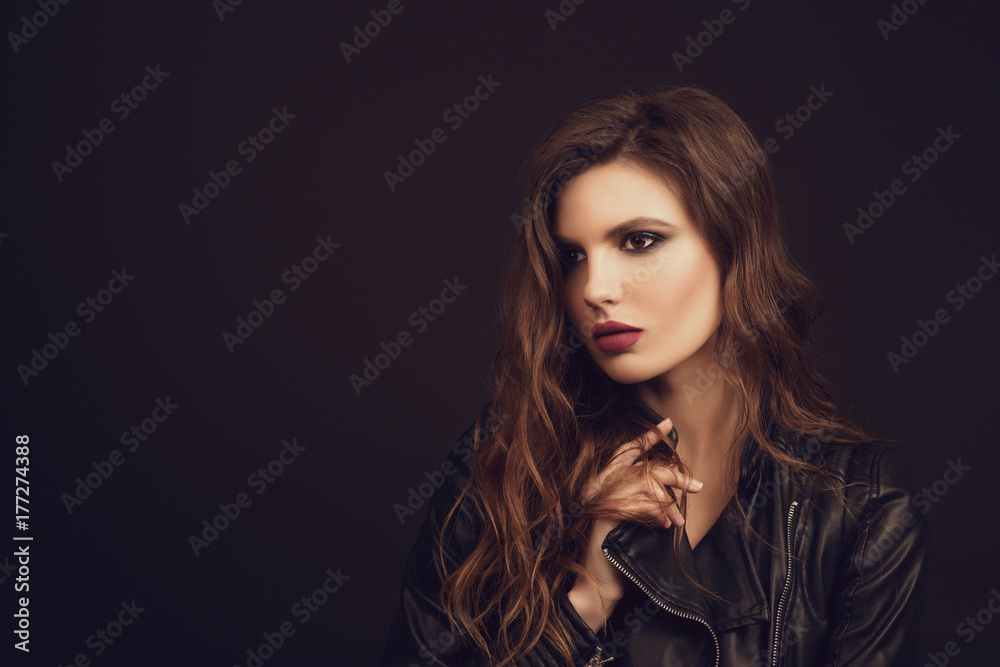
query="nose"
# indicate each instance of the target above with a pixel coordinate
(604, 283)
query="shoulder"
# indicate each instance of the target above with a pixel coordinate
(866, 479)
(870, 464)
(871, 492)
(456, 467)
(451, 479)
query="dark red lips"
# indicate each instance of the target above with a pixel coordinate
(614, 336)
(610, 327)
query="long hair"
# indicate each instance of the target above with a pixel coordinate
(563, 417)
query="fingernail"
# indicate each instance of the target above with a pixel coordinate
(666, 422)
(696, 485)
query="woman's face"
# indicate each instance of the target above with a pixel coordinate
(633, 256)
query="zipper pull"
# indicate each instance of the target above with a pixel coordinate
(596, 661)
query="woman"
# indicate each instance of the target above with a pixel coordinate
(753, 527)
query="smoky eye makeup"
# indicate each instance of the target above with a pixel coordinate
(652, 240)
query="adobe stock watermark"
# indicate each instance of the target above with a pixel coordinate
(438, 647)
(554, 188)
(132, 438)
(223, 7)
(630, 282)
(542, 540)
(302, 610)
(635, 279)
(635, 619)
(30, 26)
(898, 17)
(705, 378)
(254, 144)
(420, 320)
(914, 168)
(787, 125)
(796, 119)
(122, 106)
(259, 481)
(922, 502)
(805, 449)
(958, 297)
(263, 309)
(417, 497)
(455, 116)
(105, 636)
(361, 38)
(23, 585)
(88, 309)
(967, 629)
(792, 634)
(8, 570)
(562, 12)
(696, 44)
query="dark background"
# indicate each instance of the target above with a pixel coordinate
(323, 176)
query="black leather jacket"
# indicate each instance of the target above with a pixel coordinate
(835, 591)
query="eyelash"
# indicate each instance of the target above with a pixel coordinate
(655, 238)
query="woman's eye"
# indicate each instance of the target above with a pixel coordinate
(568, 256)
(645, 240)
(634, 242)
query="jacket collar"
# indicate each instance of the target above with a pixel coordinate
(722, 561)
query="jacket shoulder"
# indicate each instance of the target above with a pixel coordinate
(875, 465)
(451, 480)
(875, 584)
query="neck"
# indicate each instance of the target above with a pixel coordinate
(705, 411)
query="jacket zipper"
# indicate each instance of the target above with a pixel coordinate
(596, 660)
(682, 614)
(788, 583)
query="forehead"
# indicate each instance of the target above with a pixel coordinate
(607, 194)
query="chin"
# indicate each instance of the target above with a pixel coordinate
(623, 370)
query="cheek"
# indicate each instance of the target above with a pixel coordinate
(687, 294)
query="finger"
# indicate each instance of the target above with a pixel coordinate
(647, 507)
(659, 484)
(662, 499)
(665, 496)
(627, 453)
(653, 436)
(670, 477)
(674, 515)
(670, 517)
(666, 506)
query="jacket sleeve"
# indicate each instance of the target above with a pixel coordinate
(420, 633)
(875, 605)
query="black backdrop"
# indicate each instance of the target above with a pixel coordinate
(327, 130)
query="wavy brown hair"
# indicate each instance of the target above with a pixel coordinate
(564, 417)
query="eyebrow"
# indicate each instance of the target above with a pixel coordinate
(630, 225)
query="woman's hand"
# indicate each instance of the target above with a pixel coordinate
(637, 496)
